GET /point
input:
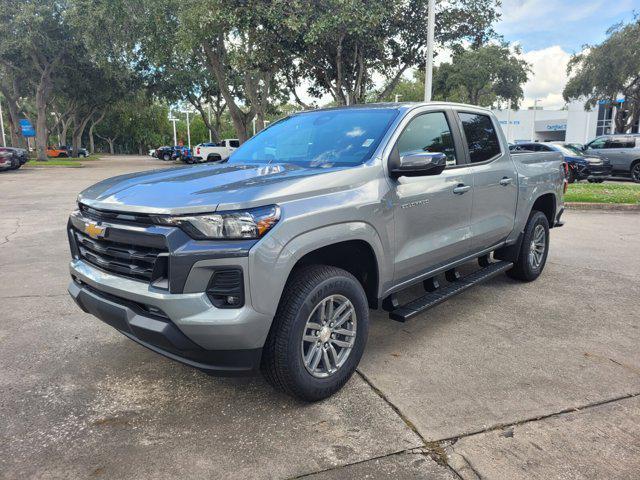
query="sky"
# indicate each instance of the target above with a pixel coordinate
(549, 32)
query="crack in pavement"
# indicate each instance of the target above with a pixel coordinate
(6, 237)
(443, 450)
(337, 467)
(502, 426)
(434, 450)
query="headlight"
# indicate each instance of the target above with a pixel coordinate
(233, 225)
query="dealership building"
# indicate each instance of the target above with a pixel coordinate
(573, 124)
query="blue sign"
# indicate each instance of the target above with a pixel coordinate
(27, 128)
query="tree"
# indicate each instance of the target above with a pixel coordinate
(608, 71)
(33, 41)
(482, 76)
(342, 45)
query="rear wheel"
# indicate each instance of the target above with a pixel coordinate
(166, 157)
(214, 158)
(534, 249)
(318, 334)
(635, 172)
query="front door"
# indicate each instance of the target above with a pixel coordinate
(432, 213)
(495, 189)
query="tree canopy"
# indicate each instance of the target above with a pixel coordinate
(608, 72)
(238, 64)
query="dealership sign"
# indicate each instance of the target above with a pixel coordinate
(551, 126)
(27, 128)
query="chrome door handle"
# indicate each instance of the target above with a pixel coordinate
(505, 181)
(460, 189)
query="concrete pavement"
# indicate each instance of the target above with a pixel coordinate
(507, 380)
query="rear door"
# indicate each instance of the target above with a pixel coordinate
(621, 152)
(494, 178)
(433, 212)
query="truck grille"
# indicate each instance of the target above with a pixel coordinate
(132, 261)
(132, 254)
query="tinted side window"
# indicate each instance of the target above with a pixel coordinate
(234, 143)
(429, 132)
(597, 143)
(619, 142)
(481, 136)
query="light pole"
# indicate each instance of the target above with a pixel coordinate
(4, 141)
(254, 125)
(175, 137)
(428, 77)
(398, 95)
(533, 124)
(209, 115)
(188, 130)
(509, 123)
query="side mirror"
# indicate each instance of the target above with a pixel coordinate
(418, 163)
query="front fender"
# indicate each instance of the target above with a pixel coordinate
(269, 271)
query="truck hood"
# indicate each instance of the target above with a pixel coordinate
(206, 188)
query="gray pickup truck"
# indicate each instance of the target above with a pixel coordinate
(272, 261)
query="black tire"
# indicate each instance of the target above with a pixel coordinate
(525, 268)
(63, 155)
(635, 171)
(571, 175)
(214, 158)
(282, 357)
(166, 157)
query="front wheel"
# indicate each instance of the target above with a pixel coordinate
(318, 334)
(534, 249)
(635, 172)
(166, 157)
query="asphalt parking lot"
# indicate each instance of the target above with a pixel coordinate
(505, 381)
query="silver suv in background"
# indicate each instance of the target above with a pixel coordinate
(622, 151)
(272, 261)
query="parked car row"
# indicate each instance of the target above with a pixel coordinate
(63, 151)
(597, 160)
(203, 152)
(12, 158)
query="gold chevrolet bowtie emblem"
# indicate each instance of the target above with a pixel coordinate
(94, 230)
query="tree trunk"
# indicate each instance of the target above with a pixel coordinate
(92, 145)
(17, 140)
(65, 129)
(80, 125)
(240, 119)
(111, 142)
(41, 123)
(43, 92)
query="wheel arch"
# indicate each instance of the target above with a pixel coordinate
(546, 203)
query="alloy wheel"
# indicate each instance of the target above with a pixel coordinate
(329, 336)
(537, 248)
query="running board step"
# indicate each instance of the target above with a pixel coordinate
(419, 305)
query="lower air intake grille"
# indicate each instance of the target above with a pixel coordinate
(226, 288)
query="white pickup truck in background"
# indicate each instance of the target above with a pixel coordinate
(215, 152)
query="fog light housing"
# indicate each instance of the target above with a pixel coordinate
(226, 287)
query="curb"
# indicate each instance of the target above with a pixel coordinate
(619, 207)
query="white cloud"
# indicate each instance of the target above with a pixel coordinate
(544, 15)
(548, 77)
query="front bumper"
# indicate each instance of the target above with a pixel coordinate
(594, 172)
(161, 335)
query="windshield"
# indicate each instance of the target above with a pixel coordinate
(323, 139)
(570, 150)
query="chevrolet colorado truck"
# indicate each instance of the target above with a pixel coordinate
(271, 262)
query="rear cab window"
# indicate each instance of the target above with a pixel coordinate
(481, 136)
